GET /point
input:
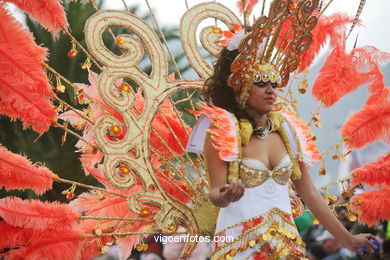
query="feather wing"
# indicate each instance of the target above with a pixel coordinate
(309, 147)
(224, 134)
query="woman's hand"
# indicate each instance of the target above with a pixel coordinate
(361, 241)
(232, 192)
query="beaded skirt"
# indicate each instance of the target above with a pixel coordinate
(272, 235)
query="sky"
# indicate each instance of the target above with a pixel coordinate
(375, 16)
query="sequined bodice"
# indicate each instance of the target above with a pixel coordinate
(253, 172)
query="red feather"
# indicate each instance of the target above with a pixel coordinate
(372, 206)
(370, 124)
(24, 86)
(373, 173)
(367, 55)
(49, 13)
(17, 172)
(328, 27)
(36, 214)
(337, 78)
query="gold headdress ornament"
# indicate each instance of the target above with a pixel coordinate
(272, 50)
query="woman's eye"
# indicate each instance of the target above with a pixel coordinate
(274, 85)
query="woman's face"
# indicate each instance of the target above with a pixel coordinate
(262, 97)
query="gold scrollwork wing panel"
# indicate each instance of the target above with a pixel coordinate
(155, 89)
(209, 39)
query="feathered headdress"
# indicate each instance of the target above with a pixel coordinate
(272, 49)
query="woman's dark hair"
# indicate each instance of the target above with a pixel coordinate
(216, 90)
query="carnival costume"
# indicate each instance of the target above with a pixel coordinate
(261, 222)
(135, 131)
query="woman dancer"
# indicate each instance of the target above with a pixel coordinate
(255, 207)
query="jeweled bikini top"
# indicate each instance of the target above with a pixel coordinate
(251, 177)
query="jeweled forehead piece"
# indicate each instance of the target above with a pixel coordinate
(265, 72)
(274, 47)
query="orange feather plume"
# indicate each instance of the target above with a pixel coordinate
(373, 206)
(337, 78)
(328, 27)
(49, 13)
(373, 173)
(17, 172)
(24, 87)
(370, 124)
(36, 214)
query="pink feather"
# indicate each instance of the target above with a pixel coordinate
(17, 172)
(373, 173)
(89, 158)
(74, 119)
(36, 214)
(364, 56)
(49, 13)
(370, 124)
(24, 87)
(372, 206)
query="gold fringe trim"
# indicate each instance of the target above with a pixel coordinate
(274, 226)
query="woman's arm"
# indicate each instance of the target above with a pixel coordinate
(322, 212)
(221, 193)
